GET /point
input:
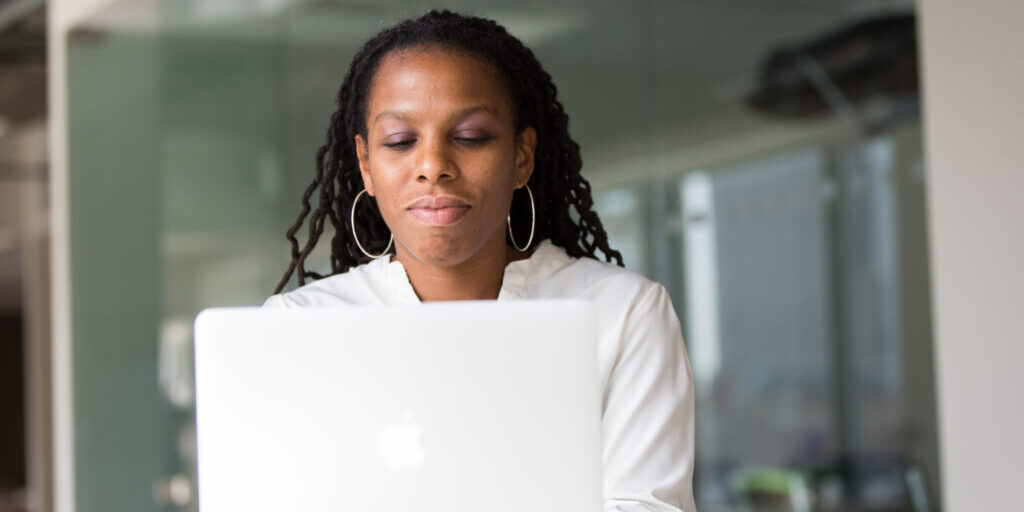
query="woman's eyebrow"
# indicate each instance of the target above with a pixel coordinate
(468, 111)
(459, 114)
(396, 114)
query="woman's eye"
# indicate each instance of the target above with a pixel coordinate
(399, 144)
(472, 141)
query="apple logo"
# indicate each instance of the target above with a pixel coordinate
(400, 445)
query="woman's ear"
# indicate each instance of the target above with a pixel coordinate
(526, 147)
(362, 153)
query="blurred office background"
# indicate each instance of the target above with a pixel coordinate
(762, 159)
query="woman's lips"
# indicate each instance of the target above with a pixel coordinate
(439, 216)
(438, 211)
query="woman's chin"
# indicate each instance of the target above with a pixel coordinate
(440, 251)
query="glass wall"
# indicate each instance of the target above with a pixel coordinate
(760, 159)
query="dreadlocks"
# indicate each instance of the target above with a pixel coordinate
(556, 182)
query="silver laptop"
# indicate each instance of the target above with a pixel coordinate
(462, 406)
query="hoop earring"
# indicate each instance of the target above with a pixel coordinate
(533, 223)
(352, 222)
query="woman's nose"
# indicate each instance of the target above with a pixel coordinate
(435, 163)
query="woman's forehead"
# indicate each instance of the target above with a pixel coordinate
(421, 81)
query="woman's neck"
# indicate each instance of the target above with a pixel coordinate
(478, 278)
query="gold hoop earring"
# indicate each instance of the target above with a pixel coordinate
(352, 222)
(533, 224)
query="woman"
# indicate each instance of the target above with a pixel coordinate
(439, 120)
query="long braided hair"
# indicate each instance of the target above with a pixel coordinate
(556, 182)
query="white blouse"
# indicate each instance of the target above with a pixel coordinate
(648, 400)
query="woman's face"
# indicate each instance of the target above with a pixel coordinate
(441, 154)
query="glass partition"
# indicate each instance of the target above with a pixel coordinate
(782, 207)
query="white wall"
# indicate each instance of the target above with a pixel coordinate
(973, 70)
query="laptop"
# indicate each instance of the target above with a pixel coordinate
(456, 406)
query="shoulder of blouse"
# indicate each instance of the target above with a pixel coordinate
(590, 277)
(349, 287)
